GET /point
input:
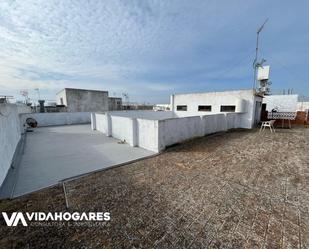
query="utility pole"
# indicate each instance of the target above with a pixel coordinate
(257, 51)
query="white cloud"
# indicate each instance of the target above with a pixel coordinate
(118, 45)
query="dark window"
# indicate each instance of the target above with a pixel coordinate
(227, 108)
(181, 108)
(204, 108)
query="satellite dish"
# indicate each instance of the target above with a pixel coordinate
(31, 122)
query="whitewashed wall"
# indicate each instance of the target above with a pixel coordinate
(10, 135)
(155, 135)
(284, 103)
(123, 128)
(145, 114)
(57, 118)
(21, 108)
(101, 122)
(214, 123)
(302, 106)
(244, 100)
(175, 130)
(147, 134)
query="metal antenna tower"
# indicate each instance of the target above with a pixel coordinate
(257, 51)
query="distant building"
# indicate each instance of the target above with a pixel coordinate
(303, 106)
(281, 103)
(136, 106)
(114, 103)
(245, 102)
(161, 107)
(82, 100)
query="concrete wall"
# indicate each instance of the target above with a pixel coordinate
(114, 103)
(156, 134)
(10, 134)
(284, 103)
(302, 106)
(233, 121)
(124, 129)
(23, 108)
(80, 100)
(145, 114)
(148, 134)
(57, 118)
(243, 100)
(61, 98)
(176, 130)
(100, 123)
(215, 123)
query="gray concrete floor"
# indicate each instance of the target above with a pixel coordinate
(54, 153)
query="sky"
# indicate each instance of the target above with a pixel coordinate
(150, 49)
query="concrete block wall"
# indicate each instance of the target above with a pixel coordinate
(10, 135)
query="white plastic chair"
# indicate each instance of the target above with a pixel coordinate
(269, 124)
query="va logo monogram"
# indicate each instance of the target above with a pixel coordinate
(18, 217)
(15, 218)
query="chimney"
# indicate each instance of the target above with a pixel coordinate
(41, 102)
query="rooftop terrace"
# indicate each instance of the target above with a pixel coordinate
(231, 190)
(52, 154)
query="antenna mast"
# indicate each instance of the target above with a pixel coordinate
(256, 52)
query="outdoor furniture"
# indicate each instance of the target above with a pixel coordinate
(269, 124)
(282, 116)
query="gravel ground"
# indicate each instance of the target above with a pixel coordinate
(233, 190)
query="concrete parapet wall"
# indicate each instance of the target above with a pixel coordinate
(101, 123)
(148, 134)
(155, 135)
(175, 130)
(123, 128)
(234, 120)
(10, 134)
(57, 118)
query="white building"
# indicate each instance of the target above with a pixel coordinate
(191, 115)
(244, 102)
(161, 107)
(303, 106)
(281, 103)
